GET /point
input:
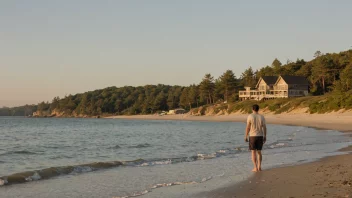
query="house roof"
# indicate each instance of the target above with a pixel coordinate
(296, 80)
(269, 80)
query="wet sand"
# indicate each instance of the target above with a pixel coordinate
(329, 177)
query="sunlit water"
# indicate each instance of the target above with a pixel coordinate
(56, 157)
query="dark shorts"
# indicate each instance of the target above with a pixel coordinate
(256, 143)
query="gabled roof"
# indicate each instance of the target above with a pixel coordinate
(295, 80)
(269, 80)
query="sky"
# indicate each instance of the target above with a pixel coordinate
(54, 48)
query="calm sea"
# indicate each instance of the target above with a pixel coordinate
(111, 158)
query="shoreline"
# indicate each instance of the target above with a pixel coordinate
(339, 122)
(328, 177)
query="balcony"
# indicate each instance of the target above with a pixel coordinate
(251, 93)
(256, 94)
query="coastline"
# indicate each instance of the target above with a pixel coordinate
(332, 121)
(327, 177)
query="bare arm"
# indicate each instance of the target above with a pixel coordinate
(264, 130)
(248, 128)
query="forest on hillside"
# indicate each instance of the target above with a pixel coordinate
(18, 111)
(327, 73)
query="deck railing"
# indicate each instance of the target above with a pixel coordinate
(269, 94)
(251, 93)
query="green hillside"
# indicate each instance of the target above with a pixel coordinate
(311, 104)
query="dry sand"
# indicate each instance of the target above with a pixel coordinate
(329, 177)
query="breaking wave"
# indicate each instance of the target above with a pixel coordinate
(55, 171)
(25, 152)
(115, 147)
(51, 172)
(48, 173)
(140, 146)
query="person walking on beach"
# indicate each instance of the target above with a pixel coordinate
(256, 130)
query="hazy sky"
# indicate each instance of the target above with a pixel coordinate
(56, 47)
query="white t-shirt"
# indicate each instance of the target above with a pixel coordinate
(256, 122)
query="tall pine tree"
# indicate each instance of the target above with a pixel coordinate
(228, 82)
(207, 88)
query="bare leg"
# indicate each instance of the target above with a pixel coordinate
(254, 160)
(259, 162)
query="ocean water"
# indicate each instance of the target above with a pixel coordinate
(125, 158)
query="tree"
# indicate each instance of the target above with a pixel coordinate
(207, 88)
(43, 106)
(265, 71)
(107, 105)
(305, 70)
(160, 102)
(98, 105)
(128, 101)
(323, 72)
(248, 78)
(82, 106)
(219, 90)
(317, 54)
(54, 103)
(171, 101)
(276, 65)
(118, 106)
(346, 78)
(138, 106)
(184, 99)
(319, 73)
(228, 83)
(193, 96)
(173, 98)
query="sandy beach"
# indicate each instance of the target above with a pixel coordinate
(329, 177)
